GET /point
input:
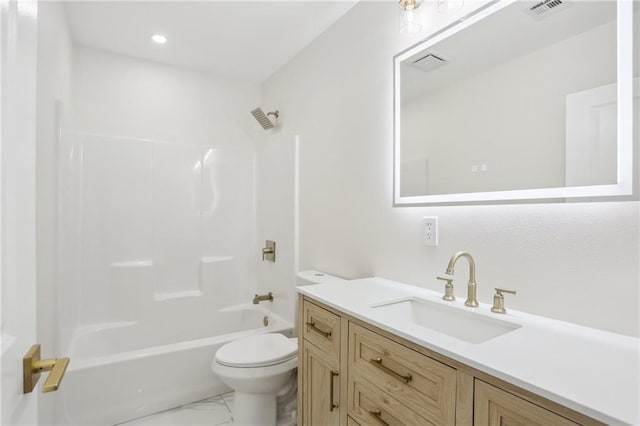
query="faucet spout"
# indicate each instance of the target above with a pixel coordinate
(262, 297)
(471, 286)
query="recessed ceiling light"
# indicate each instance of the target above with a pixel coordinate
(159, 38)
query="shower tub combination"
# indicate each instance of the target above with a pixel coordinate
(120, 372)
(157, 265)
(156, 268)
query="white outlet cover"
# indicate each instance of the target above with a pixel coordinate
(430, 231)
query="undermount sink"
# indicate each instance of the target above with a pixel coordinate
(464, 325)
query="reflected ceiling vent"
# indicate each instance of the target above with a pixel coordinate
(547, 8)
(430, 61)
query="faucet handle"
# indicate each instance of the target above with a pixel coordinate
(498, 300)
(448, 287)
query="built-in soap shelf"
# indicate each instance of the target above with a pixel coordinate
(133, 264)
(213, 259)
(133, 279)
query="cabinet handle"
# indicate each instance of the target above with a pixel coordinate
(312, 325)
(331, 398)
(377, 414)
(378, 363)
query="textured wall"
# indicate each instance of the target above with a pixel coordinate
(576, 262)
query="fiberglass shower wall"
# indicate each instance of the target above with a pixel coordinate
(156, 204)
(163, 232)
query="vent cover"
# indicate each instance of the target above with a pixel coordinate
(430, 61)
(547, 7)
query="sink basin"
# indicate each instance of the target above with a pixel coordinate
(464, 325)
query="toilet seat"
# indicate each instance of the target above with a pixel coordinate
(257, 351)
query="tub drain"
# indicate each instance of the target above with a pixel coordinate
(265, 321)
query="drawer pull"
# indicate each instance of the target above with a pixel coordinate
(331, 398)
(377, 414)
(312, 325)
(378, 363)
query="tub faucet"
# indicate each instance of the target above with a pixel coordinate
(471, 286)
(262, 297)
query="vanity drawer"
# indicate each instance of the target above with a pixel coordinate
(322, 328)
(369, 405)
(496, 407)
(423, 384)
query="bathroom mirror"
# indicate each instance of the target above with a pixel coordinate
(520, 100)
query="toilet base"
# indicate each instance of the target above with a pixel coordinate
(254, 409)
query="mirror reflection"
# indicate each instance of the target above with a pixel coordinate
(525, 98)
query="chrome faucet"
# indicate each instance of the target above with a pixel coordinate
(262, 297)
(471, 286)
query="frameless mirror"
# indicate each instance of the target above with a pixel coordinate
(519, 101)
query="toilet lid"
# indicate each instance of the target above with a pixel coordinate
(257, 351)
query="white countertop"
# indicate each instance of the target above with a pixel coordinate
(591, 371)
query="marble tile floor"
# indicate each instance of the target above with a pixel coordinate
(213, 411)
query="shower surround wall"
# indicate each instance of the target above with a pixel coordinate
(157, 254)
(156, 194)
(165, 234)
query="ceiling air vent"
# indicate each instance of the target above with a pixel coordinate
(430, 61)
(547, 7)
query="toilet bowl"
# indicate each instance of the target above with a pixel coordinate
(258, 368)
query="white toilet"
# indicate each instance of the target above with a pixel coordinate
(259, 368)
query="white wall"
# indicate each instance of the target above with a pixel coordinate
(576, 262)
(120, 96)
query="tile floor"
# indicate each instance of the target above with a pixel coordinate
(213, 411)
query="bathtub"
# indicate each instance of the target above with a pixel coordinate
(122, 371)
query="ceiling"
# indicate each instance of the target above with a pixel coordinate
(247, 40)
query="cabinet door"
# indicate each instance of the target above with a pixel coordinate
(321, 387)
(496, 407)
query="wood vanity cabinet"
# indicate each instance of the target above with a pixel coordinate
(354, 374)
(319, 375)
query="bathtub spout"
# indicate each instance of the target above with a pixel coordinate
(260, 298)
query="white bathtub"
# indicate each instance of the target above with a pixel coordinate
(120, 371)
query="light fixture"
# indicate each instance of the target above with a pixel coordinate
(409, 23)
(446, 6)
(159, 38)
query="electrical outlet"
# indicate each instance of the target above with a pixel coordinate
(430, 231)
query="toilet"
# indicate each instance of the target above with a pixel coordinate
(261, 369)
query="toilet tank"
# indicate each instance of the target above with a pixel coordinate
(315, 277)
(311, 277)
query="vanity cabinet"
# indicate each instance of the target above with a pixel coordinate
(319, 378)
(353, 374)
